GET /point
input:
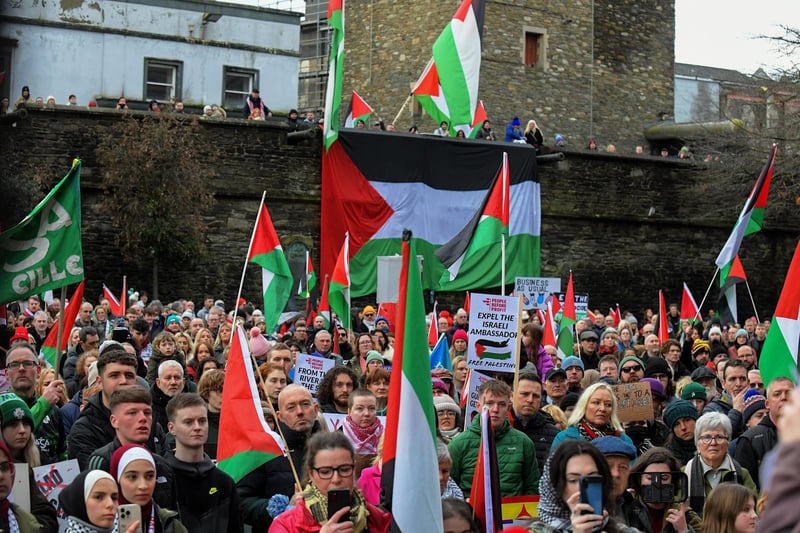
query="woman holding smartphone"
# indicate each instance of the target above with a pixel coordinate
(330, 469)
(135, 471)
(90, 503)
(560, 507)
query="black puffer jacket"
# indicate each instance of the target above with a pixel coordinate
(753, 445)
(274, 477)
(207, 497)
(541, 429)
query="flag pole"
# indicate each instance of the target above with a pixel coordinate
(519, 336)
(396, 118)
(124, 302)
(755, 311)
(503, 235)
(699, 307)
(277, 422)
(244, 268)
(60, 329)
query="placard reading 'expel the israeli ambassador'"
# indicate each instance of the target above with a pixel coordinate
(493, 332)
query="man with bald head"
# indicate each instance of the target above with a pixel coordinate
(297, 416)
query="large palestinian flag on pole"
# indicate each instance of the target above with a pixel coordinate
(49, 346)
(374, 185)
(448, 87)
(727, 306)
(339, 287)
(409, 476)
(333, 92)
(779, 354)
(566, 342)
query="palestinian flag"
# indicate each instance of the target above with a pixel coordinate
(448, 87)
(48, 352)
(477, 122)
(663, 323)
(333, 92)
(779, 354)
(410, 475)
(615, 315)
(727, 305)
(310, 279)
(750, 219)
(116, 308)
(375, 185)
(689, 310)
(248, 442)
(485, 494)
(266, 251)
(466, 303)
(339, 287)
(566, 342)
(487, 228)
(359, 110)
(324, 308)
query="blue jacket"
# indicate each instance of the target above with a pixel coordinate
(511, 135)
(573, 433)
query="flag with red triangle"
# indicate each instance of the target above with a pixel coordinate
(566, 342)
(466, 303)
(114, 305)
(486, 228)
(433, 329)
(663, 323)
(485, 494)
(549, 337)
(248, 442)
(779, 354)
(339, 287)
(728, 307)
(358, 110)
(267, 252)
(615, 315)
(48, 351)
(309, 281)
(689, 310)
(324, 309)
(477, 123)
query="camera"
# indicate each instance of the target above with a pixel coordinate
(664, 487)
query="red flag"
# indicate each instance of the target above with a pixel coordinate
(689, 309)
(388, 311)
(466, 303)
(663, 331)
(433, 330)
(115, 307)
(549, 326)
(615, 315)
(485, 494)
(69, 316)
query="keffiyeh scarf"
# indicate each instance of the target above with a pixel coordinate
(365, 440)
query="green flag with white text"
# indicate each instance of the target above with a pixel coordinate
(43, 252)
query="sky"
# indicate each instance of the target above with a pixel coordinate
(721, 33)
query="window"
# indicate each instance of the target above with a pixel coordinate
(238, 84)
(162, 79)
(535, 48)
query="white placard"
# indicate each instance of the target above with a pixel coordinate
(21, 490)
(493, 323)
(536, 291)
(52, 479)
(335, 420)
(309, 370)
(476, 379)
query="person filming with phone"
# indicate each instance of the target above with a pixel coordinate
(331, 503)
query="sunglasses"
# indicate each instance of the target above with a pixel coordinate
(629, 369)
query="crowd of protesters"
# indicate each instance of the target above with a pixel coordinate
(137, 402)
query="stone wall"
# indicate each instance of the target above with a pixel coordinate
(607, 69)
(625, 225)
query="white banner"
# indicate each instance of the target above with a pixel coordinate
(493, 325)
(476, 379)
(309, 371)
(335, 421)
(536, 291)
(51, 479)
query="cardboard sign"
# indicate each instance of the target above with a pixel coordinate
(309, 371)
(51, 479)
(634, 401)
(335, 421)
(581, 306)
(493, 329)
(536, 291)
(476, 379)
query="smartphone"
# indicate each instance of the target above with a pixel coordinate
(592, 493)
(129, 513)
(337, 500)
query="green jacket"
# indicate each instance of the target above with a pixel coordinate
(516, 459)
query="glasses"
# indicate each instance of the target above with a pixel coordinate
(756, 385)
(629, 369)
(25, 364)
(708, 439)
(6, 467)
(326, 472)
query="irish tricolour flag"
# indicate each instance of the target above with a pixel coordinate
(266, 251)
(410, 464)
(374, 186)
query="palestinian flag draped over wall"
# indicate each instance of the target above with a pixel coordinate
(374, 185)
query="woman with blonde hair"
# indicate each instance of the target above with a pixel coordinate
(595, 415)
(46, 377)
(557, 414)
(533, 136)
(184, 341)
(223, 340)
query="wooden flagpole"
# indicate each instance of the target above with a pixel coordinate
(699, 307)
(397, 117)
(244, 267)
(60, 334)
